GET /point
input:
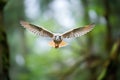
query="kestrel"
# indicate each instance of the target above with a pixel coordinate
(57, 38)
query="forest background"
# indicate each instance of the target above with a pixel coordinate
(94, 56)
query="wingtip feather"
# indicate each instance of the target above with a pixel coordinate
(92, 24)
(23, 23)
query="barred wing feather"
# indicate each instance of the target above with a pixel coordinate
(37, 30)
(78, 31)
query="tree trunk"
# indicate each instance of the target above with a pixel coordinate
(4, 50)
(108, 25)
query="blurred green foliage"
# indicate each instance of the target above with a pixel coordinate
(84, 58)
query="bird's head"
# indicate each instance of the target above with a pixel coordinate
(57, 38)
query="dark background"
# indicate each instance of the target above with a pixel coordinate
(94, 56)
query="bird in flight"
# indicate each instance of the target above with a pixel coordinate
(57, 38)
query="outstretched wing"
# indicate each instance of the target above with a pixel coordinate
(37, 30)
(78, 31)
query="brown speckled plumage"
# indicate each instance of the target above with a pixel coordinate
(57, 38)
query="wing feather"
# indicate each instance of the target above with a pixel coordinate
(37, 30)
(78, 31)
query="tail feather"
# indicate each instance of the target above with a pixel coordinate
(57, 46)
(63, 43)
(52, 43)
